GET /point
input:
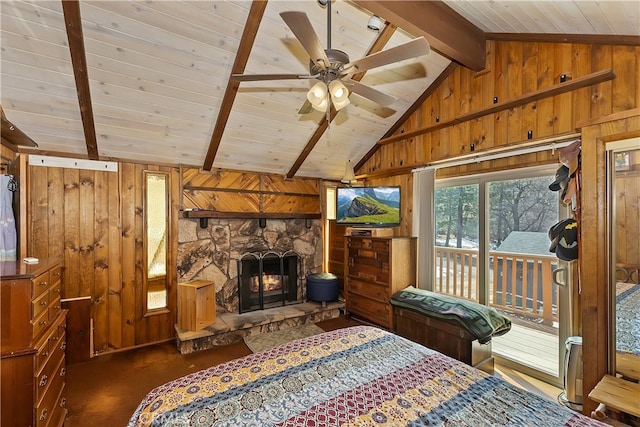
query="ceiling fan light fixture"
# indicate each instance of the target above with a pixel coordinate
(349, 175)
(339, 94)
(317, 96)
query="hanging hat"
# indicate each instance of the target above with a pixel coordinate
(567, 247)
(561, 179)
(555, 230)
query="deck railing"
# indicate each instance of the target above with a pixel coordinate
(518, 283)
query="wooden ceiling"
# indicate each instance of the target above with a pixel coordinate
(149, 81)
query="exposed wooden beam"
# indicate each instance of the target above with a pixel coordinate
(378, 44)
(246, 43)
(611, 39)
(12, 136)
(426, 94)
(578, 83)
(448, 32)
(73, 22)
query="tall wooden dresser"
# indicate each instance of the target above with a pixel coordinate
(376, 268)
(32, 344)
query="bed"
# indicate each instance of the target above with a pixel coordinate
(355, 376)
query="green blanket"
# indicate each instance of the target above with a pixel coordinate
(481, 321)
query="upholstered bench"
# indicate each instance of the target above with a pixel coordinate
(456, 327)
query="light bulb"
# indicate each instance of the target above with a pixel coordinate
(317, 95)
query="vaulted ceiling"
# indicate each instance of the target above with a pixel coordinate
(150, 81)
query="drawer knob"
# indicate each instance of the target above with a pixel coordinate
(57, 273)
(43, 414)
(63, 402)
(57, 307)
(56, 290)
(42, 323)
(43, 380)
(63, 347)
(44, 283)
(45, 354)
(43, 303)
(63, 371)
(54, 338)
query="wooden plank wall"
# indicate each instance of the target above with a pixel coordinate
(235, 191)
(513, 69)
(94, 220)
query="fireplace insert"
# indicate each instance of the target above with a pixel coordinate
(267, 280)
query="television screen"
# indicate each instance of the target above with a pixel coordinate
(368, 206)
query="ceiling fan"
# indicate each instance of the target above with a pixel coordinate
(333, 68)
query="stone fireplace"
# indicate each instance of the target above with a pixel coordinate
(268, 280)
(214, 253)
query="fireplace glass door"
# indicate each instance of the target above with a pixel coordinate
(267, 281)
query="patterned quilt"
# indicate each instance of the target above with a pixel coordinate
(358, 376)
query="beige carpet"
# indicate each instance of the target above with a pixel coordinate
(261, 342)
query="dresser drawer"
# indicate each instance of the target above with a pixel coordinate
(39, 304)
(47, 407)
(377, 312)
(60, 409)
(40, 284)
(55, 306)
(40, 323)
(375, 271)
(371, 244)
(55, 290)
(56, 275)
(368, 289)
(46, 376)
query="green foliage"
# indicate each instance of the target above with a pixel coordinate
(524, 204)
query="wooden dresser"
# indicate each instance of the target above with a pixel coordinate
(376, 268)
(32, 345)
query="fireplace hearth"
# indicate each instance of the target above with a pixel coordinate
(268, 280)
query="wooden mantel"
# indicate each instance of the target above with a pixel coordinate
(207, 213)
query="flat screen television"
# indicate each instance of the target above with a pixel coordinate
(368, 206)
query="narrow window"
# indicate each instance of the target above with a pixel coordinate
(156, 229)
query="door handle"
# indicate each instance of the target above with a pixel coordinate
(555, 276)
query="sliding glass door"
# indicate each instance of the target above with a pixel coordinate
(492, 247)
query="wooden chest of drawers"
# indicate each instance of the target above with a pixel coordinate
(376, 268)
(33, 343)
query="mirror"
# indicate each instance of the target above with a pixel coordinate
(624, 225)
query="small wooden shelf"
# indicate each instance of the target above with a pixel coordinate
(617, 394)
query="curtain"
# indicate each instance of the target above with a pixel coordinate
(8, 237)
(423, 225)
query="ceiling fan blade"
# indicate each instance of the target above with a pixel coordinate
(370, 93)
(414, 48)
(302, 29)
(259, 77)
(306, 108)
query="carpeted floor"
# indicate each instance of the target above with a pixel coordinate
(261, 342)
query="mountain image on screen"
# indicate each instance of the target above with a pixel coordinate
(369, 205)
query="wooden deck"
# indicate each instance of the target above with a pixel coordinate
(530, 347)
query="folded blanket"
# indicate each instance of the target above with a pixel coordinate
(479, 320)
